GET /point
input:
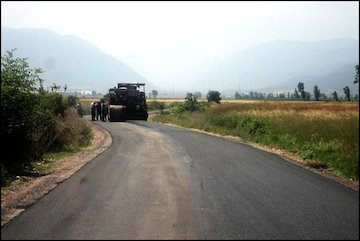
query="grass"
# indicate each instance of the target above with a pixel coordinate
(326, 134)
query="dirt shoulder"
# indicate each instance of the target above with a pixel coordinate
(27, 190)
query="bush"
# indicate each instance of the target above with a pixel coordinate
(191, 104)
(71, 132)
(214, 96)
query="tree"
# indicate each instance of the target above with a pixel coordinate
(347, 92)
(317, 93)
(335, 95)
(155, 93)
(237, 96)
(23, 117)
(214, 96)
(301, 90)
(357, 74)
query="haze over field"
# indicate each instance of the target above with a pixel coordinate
(187, 46)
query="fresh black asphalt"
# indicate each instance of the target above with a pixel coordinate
(234, 191)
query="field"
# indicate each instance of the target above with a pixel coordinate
(324, 133)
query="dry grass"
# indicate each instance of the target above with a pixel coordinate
(180, 100)
(296, 106)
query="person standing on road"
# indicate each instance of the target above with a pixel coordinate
(105, 112)
(98, 110)
(93, 112)
(102, 110)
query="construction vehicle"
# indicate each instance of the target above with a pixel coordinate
(128, 102)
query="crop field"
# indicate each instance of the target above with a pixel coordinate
(324, 132)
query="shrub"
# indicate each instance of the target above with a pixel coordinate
(214, 96)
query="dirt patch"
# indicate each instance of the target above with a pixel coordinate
(27, 190)
(292, 156)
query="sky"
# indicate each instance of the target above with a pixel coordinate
(159, 39)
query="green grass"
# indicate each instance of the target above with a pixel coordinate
(327, 133)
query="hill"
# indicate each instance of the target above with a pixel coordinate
(69, 60)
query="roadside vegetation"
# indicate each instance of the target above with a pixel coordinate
(326, 134)
(161, 105)
(36, 125)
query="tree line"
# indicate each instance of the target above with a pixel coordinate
(300, 93)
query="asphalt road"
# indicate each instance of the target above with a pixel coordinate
(163, 182)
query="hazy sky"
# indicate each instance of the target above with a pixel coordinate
(160, 38)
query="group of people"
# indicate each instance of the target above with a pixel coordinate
(99, 109)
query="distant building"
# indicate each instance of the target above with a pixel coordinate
(85, 92)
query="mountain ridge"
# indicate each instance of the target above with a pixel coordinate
(67, 59)
(264, 66)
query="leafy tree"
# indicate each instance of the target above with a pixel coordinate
(357, 74)
(301, 89)
(335, 95)
(21, 117)
(214, 96)
(155, 93)
(237, 96)
(317, 93)
(347, 92)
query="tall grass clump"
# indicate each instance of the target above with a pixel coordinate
(327, 132)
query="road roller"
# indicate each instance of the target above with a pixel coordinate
(128, 102)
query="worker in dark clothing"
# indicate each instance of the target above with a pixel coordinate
(98, 111)
(102, 110)
(105, 112)
(79, 110)
(93, 111)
